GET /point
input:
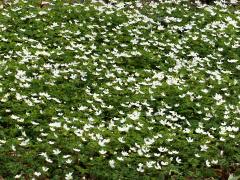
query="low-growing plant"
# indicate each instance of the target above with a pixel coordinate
(119, 91)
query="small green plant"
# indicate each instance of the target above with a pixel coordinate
(119, 91)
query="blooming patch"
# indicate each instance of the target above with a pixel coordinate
(119, 90)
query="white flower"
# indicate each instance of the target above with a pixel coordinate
(157, 166)
(199, 131)
(18, 176)
(197, 155)
(233, 1)
(2, 141)
(189, 139)
(77, 150)
(44, 154)
(135, 115)
(118, 88)
(24, 143)
(208, 163)
(103, 142)
(49, 160)
(218, 97)
(150, 164)
(232, 60)
(204, 147)
(178, 160)
(204, 90)
(162, 149)
(140, 152)
(45, 169)
(222, 139)
(221, 152)
(102, 151)
(124, 153)
(13, 148)
(120, 158)
(172, 81)
(214, 161)
(148, 141)
(55, 124)
(42, 12)
(164, 163)
(18, 96)
(120, 139)
(140, 167)
(14, 117)
(51, 142)
(112, 163)
(69, 161)
(82, 108)
(69, 176)
(159, 76)
(232, 135)
(56, 151)
(186, 130)
(66, 156)
(37, 173)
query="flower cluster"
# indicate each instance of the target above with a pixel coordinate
(119, 90)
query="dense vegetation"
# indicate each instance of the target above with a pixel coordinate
(120, 91)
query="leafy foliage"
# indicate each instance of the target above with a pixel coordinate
(119, 91)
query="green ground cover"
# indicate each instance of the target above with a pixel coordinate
(119, 91)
